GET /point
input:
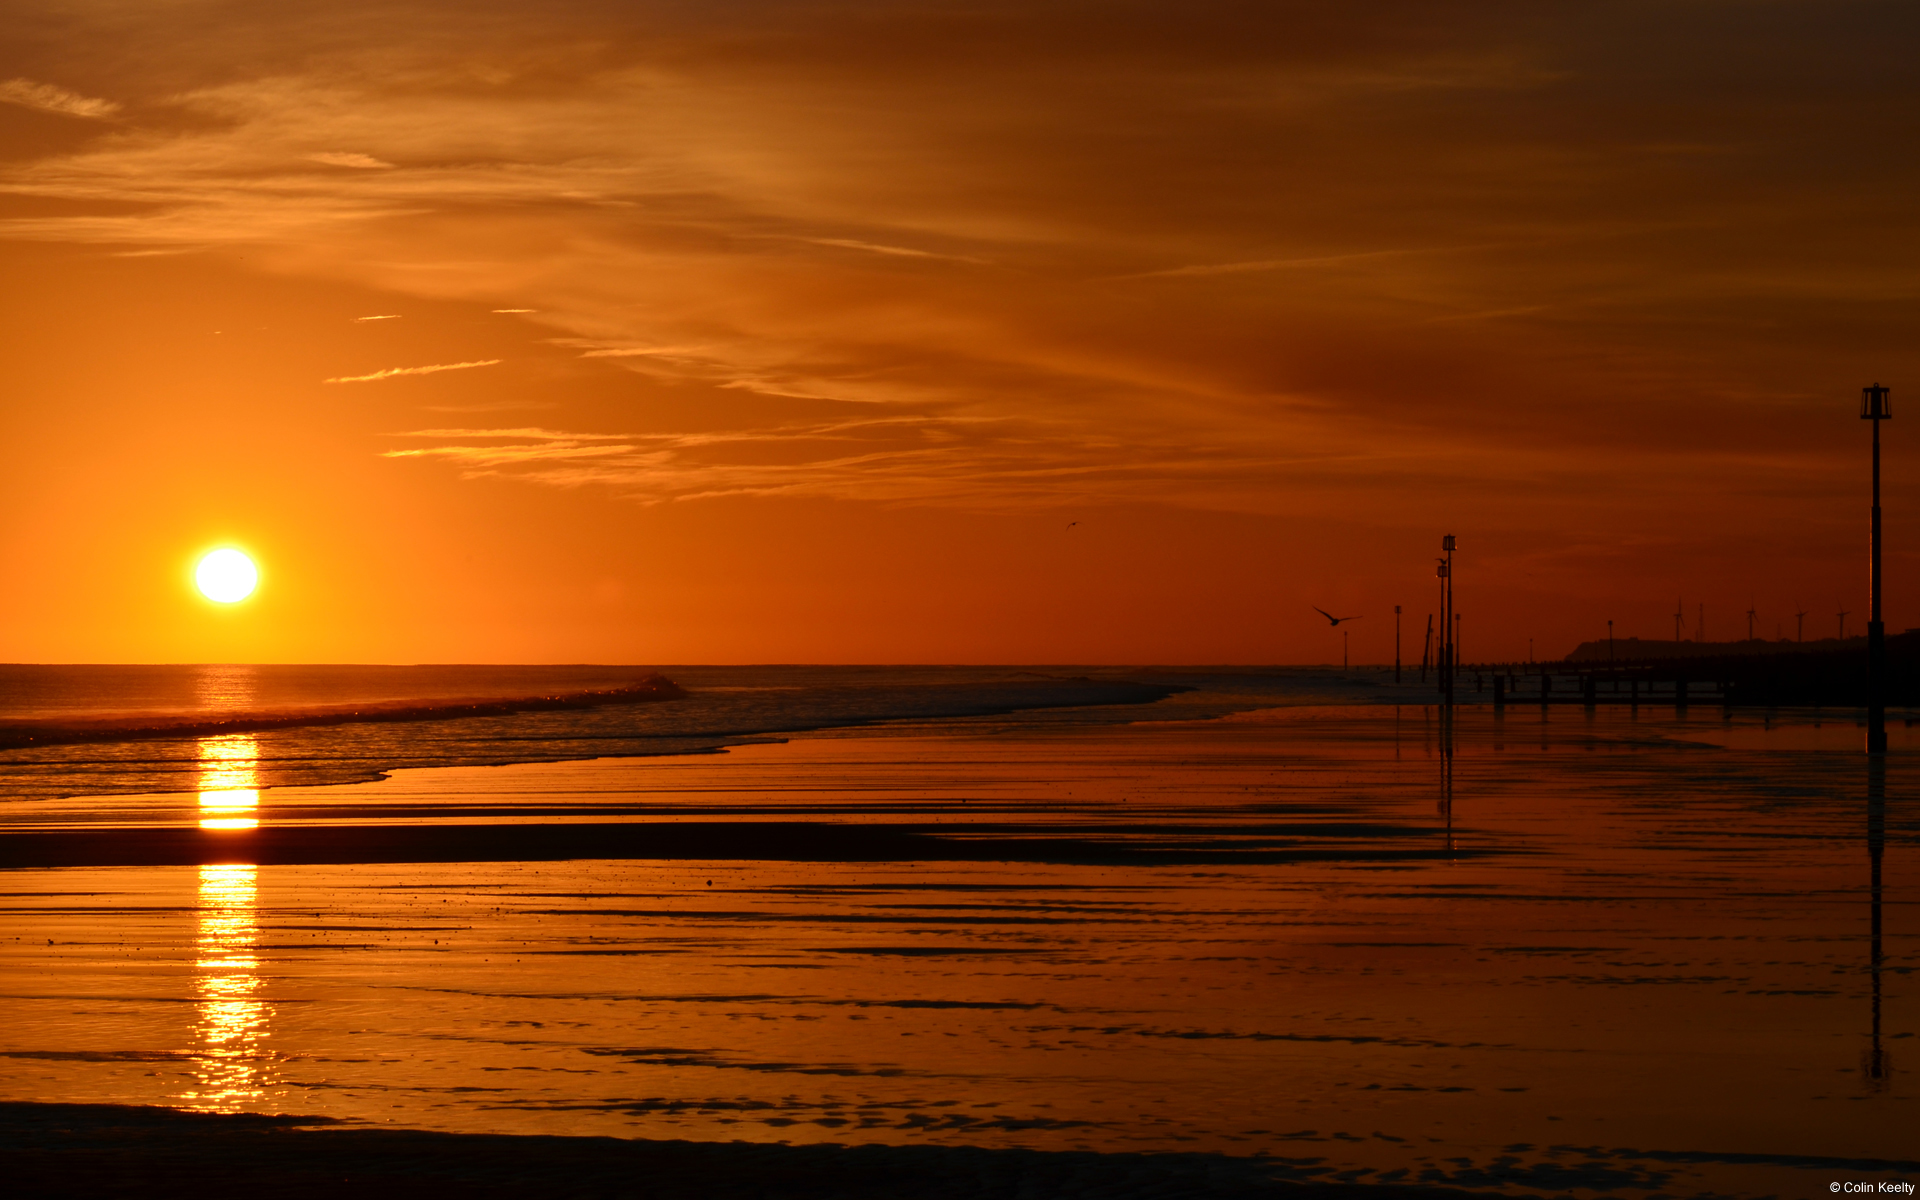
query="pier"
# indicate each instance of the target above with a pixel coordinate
(1566, 683)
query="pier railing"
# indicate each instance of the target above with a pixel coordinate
(1830, 677)
(1589, 687)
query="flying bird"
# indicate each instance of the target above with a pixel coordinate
(1331, 619)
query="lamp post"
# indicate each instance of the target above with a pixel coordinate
(1874, 407)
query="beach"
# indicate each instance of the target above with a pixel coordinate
(604, 599)
(1595, 952)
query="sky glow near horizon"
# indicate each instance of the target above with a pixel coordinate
(808, 330)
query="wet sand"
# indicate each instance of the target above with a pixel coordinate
(100, 1150)
(758, 841)
(1623, 959)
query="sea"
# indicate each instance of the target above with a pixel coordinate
(1301, 917)
(103, 730)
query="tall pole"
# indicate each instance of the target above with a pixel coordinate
(1874, 407)
(1878, 1068)
(1447, 629)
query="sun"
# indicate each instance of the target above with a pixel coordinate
(226, 576)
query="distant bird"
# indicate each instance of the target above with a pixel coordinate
(1331, 619)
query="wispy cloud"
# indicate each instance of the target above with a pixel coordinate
(1013, 471)
(1488, 314)
(761, 243)
(1260, 264)
(643, 351)
(881, 248)
(550, 434)
(904, 458)
(1294, 264)
(362, 162)
(495, 456)
(390, 372)
(48, 98)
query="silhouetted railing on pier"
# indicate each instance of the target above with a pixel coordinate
(1832, 675)
(1557, 683)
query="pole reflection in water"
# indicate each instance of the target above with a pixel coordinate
(229, 792)
(230, 1021)
(1877, 1063)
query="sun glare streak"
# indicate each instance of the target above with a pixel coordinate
(230, 1025)
(229, 781)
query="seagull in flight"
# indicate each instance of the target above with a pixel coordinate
(1331, 619)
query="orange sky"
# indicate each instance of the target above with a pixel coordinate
(838, 314)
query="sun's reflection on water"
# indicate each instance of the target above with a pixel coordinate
(230, 1021)
(229, 686)
(229, 779)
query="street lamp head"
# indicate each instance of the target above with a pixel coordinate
(1874, 405)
